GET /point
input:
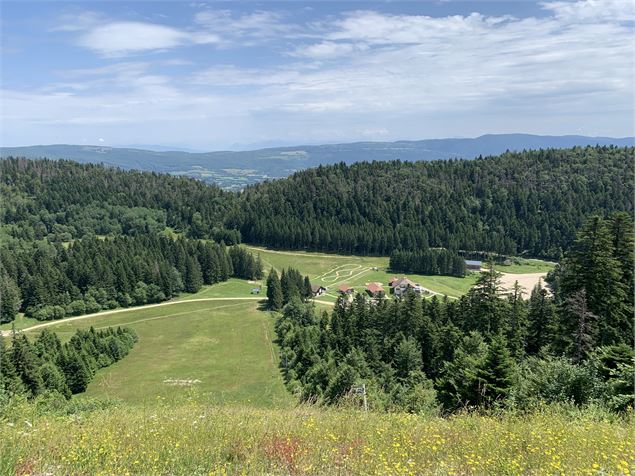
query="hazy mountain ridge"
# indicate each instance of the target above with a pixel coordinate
(235, 169)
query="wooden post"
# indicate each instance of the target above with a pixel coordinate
(365, 401)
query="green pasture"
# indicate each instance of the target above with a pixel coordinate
(222, 351)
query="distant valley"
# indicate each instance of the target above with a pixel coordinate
(233, 170)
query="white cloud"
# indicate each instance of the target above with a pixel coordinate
(363, 74)
(78, 21)
(593, 10)
(329, 50)
(123, 38)
(259, 24)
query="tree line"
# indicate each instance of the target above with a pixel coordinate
(283, 289)
(428, 262)
(571, 342)
(45, 364)
(51, 281)
(529, 202)
(61, 200)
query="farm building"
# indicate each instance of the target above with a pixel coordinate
(375, 290)
(473, 265)
(346, 289)
(317, 290)
(401, 286)
(255, 291)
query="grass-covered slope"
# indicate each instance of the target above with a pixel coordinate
(190, 438)
(218, 350)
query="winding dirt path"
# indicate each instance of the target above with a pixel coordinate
(127, 309)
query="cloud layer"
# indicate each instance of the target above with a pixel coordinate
(363, 74)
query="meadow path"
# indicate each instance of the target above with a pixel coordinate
(126, 309)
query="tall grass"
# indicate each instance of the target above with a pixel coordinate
(194, 438)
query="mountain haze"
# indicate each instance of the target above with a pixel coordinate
(236, 169)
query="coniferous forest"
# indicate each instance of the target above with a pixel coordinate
(485, 349)
(77, 239)
(526, 203)
(32, 368)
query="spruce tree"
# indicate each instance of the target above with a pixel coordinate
(9, 297)
(486, 309)
(494, 375)
(258, 270)
(75, 370)
(581, 324)
(541, 320)
(274, 291)
(27, 365)
(10, 381)
(54, 379)
(307, 292)
(517, 322)
(193, 276)
(591, 268)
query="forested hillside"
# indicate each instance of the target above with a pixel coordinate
(54, 215)
(530, 202)
(489, 348)
(62, 200)
(517, 203)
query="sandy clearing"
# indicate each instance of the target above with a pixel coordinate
(526, 281)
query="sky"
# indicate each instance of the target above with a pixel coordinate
(208, 75)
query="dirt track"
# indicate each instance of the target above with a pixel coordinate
(126, 309)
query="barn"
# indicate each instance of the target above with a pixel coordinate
(473, 265)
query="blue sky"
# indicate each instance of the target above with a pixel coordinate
(235, 75)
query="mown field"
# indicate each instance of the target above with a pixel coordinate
(219, 351)
(191, 438)
(332, 270)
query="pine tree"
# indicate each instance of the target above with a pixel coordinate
(494, 376)
(274, 291)
(193, 276)
(27, 365)
(591, 268)
(541, 320)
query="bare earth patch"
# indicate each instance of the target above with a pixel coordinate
(181, 382)
(526, 281)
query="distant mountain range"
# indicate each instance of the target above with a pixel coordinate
(234, 170)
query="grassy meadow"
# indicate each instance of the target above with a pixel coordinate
(332, 270)
(191, 438)
(201, 393)
(217, 344)
(220, 351)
